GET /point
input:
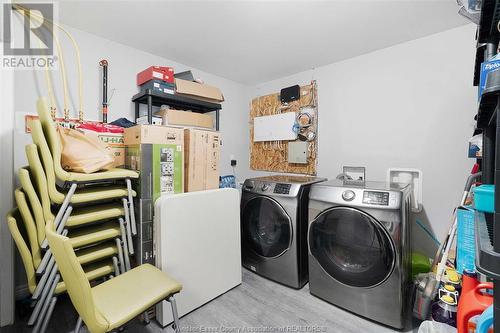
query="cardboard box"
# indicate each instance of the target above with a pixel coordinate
(198, 91)
(162, 73)
(185, 118)
(157, 152)
(202, 153)
(158, 86)
(158, 121)
(141, 134)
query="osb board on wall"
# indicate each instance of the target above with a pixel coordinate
(273, 155)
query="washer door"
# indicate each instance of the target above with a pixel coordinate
(352, 247)
(266, 227)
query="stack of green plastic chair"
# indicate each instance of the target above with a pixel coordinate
(98, 263)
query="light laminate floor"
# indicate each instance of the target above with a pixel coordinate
(258, 305)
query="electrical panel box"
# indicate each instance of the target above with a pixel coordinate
(297, 152)
(274, 128)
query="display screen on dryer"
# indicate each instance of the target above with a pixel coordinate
(376, 198)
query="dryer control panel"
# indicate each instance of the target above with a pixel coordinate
(282, 188)
(376, 198)
(273, 189)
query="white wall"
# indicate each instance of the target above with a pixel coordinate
(6, 181)
(410, 105)
(124, 63)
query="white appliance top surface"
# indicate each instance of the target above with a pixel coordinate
(369, 185)
(290, 179)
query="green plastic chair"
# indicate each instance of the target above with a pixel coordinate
(54, 143)
(92, 194)
(107, 307)
(40, 200)
(82, 237)
(90, 234)
(73, 178)
(93, 270)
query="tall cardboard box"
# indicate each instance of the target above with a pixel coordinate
(202, 154)
(157, 153)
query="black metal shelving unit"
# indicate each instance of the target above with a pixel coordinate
(488, 225)
(151, 98)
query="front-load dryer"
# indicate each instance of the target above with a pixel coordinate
(359, 248)
(274, 212)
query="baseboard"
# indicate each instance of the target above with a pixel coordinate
(22, 291)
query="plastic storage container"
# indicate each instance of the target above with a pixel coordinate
(484, 198)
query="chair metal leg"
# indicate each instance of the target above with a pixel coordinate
(127, 225)
(115, 265)
(47, 292)
(62, 210)
(44, 262)
(46, 320)
(78, 325)
(124, 243)
(173, 304)
(120, 256)
(65, 218)
(43, 280)
(131, 203)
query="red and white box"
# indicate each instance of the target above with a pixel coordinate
(166, 74)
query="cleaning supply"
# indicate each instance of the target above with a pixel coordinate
(469, 281)
(485, 321)
(472, 302)
(445, 310)
(466, 242)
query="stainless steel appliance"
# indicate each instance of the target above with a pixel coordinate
(274, 227)
(359, 248)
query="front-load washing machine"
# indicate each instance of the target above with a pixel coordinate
(359, 248)
(274, 227)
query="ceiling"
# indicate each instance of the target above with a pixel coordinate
(257, 41)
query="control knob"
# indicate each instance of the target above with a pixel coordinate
(348, 195)
(265, 187)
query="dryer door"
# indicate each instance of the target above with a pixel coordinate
(352, 247)
(266, 227)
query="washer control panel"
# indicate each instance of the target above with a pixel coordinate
(282, 188)
(376, 198)
(271, 188)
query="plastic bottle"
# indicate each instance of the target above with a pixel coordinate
(445, 310)
(472, 302)
(469, 281)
